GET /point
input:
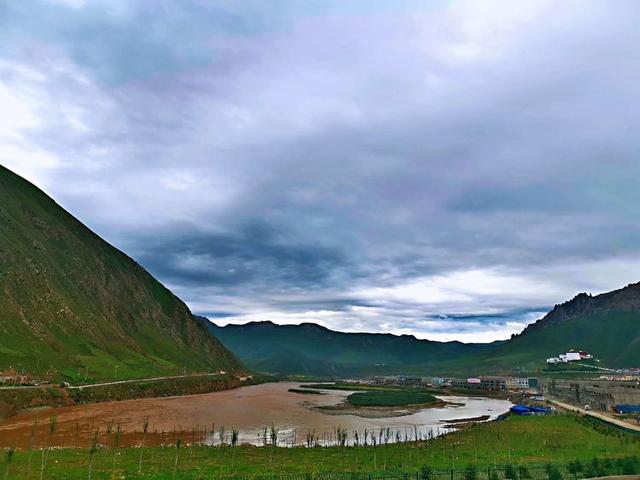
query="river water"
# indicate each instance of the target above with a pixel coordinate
(249, 410)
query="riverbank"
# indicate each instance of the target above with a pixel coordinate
(529, 442)
(13, 401)
(247, 410)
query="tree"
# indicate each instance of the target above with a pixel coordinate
(510, 472)
(9, 459)
(471, 473)
(145, 427)
(425, 472)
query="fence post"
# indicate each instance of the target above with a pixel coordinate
(452, 474)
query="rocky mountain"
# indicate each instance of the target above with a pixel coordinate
(73, 306)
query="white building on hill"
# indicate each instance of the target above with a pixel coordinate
(570, 356)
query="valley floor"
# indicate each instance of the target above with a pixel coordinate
(478, 452)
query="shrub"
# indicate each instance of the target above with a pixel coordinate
(629, 466)
(471, 473)
(524, 472)
(425, 472)
(510, 472)
(575, 467)
(594, 469)
(553, 473)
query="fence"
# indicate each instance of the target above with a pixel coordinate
(570, 471)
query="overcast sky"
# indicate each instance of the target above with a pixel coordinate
(445, 169)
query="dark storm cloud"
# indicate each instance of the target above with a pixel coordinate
(449, 170)
(252, 253)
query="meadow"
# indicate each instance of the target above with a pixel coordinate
(390, 398)
(552, 446)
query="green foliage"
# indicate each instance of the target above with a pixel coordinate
(523, 471)
(425, 472)
(75, 308)
(553, 473)
(575, 467)
(510, 472)
(390, 398)
(629, 466)
(470, 473)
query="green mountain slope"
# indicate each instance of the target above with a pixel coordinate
(70, 303)
(314, 350)
(606, 325)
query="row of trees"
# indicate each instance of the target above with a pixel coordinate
(574, 469)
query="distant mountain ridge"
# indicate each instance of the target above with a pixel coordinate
(73, 306)
(607, 325)
(311, 349)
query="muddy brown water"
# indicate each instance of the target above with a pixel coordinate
(199, 418)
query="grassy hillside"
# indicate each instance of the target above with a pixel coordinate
(310, 349)
(606, 325)
(613, 337)
(73, 306)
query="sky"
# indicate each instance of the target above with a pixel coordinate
(447, 169)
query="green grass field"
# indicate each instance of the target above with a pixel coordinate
(380, 395)
(357, 387)
(390, 398)
(518, 441)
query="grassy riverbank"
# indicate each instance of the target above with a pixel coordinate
(386, 398)
(381, 395)
(356, 387)
(12, 401)
(516, 441)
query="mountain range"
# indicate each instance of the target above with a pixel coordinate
(72, 306)
(608, 325)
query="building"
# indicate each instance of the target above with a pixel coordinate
(436, 381)
(493, 383)
(416, 381)
(570, 356)
(517, 383)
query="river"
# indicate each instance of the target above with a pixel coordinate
(249, 410)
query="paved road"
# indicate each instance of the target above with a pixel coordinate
(599, 415)
(116, 382)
